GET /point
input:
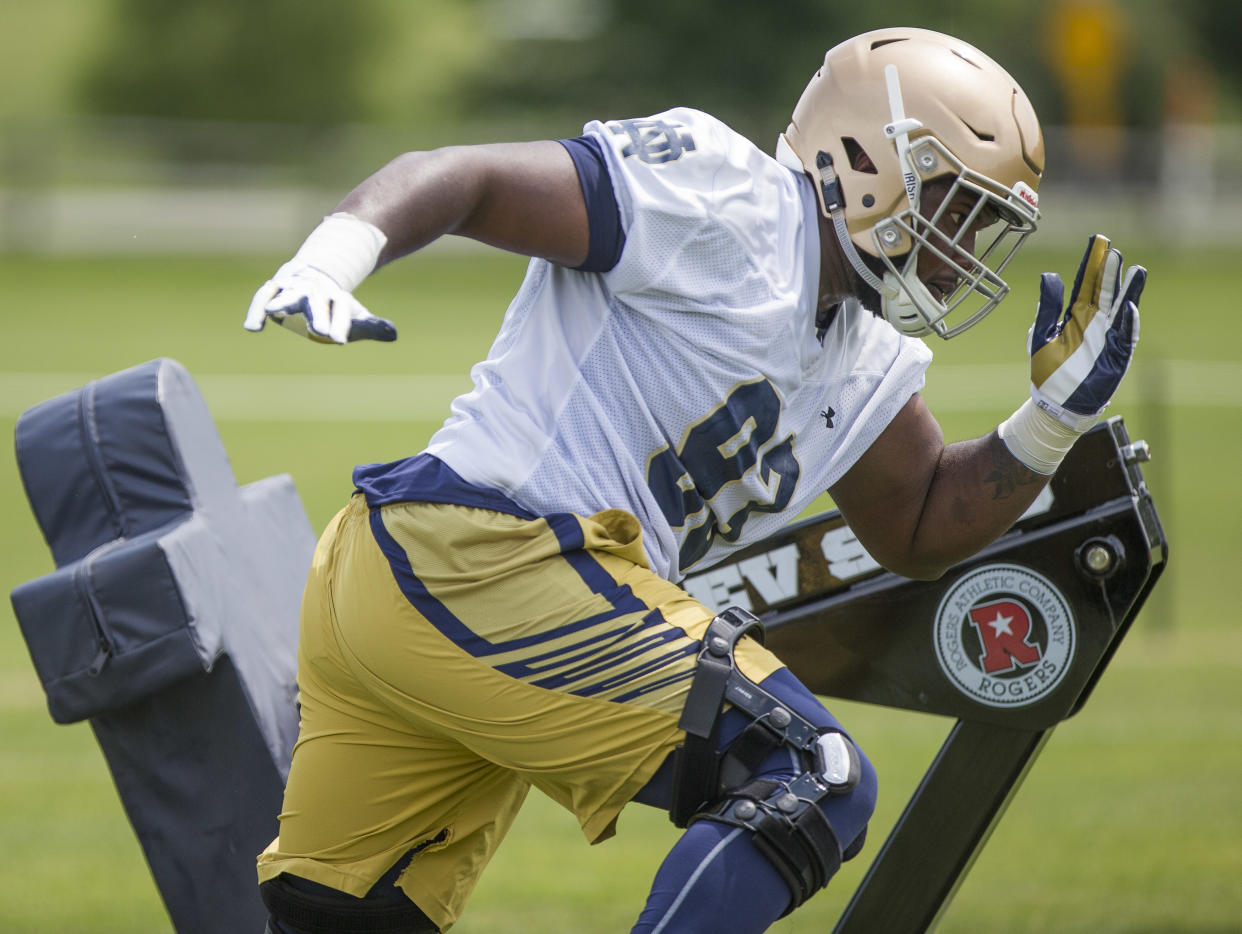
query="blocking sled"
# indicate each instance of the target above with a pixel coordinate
(170, 624)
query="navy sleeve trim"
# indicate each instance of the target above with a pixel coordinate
(607, 239)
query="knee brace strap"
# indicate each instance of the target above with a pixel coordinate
(788, 828)
(701, 774)
(785, 819)
(338, 913)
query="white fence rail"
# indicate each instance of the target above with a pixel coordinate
(143, 186)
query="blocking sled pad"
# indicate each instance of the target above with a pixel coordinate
(170, 623)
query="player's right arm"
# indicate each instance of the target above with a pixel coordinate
(522, 197)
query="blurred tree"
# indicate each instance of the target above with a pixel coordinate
(290, 61)
(733, 58)
(743, 61)
(1217, 27)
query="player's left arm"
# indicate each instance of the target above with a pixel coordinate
(919, 506)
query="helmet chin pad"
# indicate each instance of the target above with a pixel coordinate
(908, 306)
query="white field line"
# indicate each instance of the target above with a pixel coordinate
(278, 397)
(426, 396)
(1184, 383)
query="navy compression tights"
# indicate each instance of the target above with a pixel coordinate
(714, 879)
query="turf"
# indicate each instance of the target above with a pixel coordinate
(1129, 823)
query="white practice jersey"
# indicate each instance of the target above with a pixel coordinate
(687, 384)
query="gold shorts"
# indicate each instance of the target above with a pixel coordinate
(450, 658)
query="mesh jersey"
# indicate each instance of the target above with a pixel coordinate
(687, 384)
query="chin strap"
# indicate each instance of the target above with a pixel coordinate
(834, 203)
(898, 302)
(897, 305)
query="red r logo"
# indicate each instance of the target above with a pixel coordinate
(1003, 627)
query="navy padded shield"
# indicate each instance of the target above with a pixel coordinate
(170, 623)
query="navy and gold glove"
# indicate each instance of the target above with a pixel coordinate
(1079, 357)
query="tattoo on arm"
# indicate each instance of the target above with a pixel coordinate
(1008, 473)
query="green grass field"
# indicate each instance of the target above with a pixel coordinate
(1130, 822)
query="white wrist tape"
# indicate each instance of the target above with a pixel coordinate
(344, 248)
(1036, 438)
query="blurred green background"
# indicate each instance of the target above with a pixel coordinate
(158, 160)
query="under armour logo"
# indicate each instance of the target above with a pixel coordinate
(828, 416)
(654, 141)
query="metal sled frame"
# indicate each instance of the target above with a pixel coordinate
(873, 638)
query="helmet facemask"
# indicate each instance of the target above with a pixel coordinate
(967, 236)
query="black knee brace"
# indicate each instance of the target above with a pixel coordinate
(308, 908)
(788, 826)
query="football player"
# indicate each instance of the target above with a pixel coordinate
(501, 610)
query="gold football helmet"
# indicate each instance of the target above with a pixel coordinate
(923, 149)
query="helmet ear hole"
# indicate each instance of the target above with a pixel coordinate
(859, 160)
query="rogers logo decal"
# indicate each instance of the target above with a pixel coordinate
(1004, 635)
